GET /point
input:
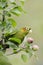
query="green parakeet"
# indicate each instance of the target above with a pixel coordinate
(18, 37)
(3, 59)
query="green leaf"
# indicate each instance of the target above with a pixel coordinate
(24, 57)
(17, 50)
(31, 53)
(20, 8)
(12, 21)
(10, 33)
(14, 39)
(0, 46)
(17, 10)
(8, 28)
(0, 5)
(14, 3)
(4, 23)
(7, 34)
(8, 13)
(1, 25)
(12, 0)
(12, 45)
(22, 2)
(3, 0)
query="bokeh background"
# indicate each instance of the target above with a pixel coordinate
(33, 19)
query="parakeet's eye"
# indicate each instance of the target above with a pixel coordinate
(29, 28)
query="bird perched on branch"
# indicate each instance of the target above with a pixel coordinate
(17, 37)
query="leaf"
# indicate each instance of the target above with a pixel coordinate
(10, 33)
(0, 46)
(17, 10)
(0, 5)
(36, 57)
(8, 13)
(7, 34)
(0, 23)
(4, 23)
(22, 2)
(11, 0)
(3, 0)
(20, 8)
(31, 53)
(12, 21)
(24, 57)
(12, 45)
(17, 50)
(14, 39)
(14, 3)
(8, 28)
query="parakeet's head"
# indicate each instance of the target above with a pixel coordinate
(25, 30)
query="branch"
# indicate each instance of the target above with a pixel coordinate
(16, 51)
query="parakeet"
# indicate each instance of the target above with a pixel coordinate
(4, 59)
(18, 37)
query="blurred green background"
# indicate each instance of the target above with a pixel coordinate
(33, 19)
